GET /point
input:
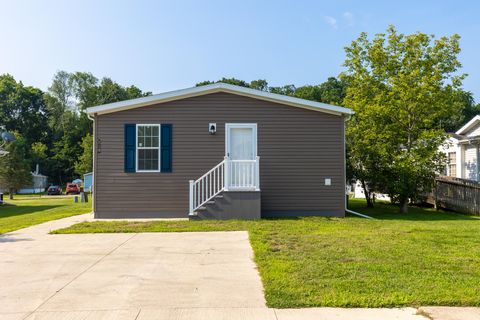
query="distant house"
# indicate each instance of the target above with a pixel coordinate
(218, 152)
(87, 181)
(39, 183)
(358, 192)
(462, 151)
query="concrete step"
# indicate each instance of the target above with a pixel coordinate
(210, 202)
(219, 196)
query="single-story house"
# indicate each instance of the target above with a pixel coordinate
(462, 151)
(38, 185)
(218, 151)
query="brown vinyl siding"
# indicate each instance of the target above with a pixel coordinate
(298, 149)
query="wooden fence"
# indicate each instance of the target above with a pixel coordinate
(457, 194)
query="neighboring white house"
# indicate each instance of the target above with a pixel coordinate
(39, 183)
(358, 192)
(462, 151)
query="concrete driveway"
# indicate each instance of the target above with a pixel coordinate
(204, 275)
(120, 274)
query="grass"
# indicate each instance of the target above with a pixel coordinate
(28, 210)
(421, 258)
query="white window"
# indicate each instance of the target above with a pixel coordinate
(452, 164)
(148, 148)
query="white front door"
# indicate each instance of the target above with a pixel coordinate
(241, 141)
(241, 148)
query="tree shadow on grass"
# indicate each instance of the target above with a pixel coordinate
(391, 212)
(14, 210)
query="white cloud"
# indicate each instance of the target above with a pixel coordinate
(331, 21)
(349, 18)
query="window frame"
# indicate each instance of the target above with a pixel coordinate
(452, 164)
(146, 148)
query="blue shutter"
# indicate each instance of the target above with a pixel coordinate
(166, 148)
(130, 153)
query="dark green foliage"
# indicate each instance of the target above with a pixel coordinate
(331, 91)
(54, 126)
(405, 90)
(15, 166)
(22, 109)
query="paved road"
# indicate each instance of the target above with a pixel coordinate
(205, 275)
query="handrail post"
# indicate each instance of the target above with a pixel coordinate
(191, 203)
(226, 173)
(257, 174)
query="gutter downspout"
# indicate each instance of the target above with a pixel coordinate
(359, 214)
(345, 172)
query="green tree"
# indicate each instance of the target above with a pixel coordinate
(260, 84)
(470, 110)
(85, 162)
(15, 167)
(22, 109)
(331, 91)
(67, 100)
(400, 87)
(233, 81)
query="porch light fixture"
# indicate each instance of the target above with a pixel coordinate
(212, 128)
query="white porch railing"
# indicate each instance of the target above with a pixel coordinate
(228, 175)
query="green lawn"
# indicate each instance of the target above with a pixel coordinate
(423, 258)
(27, 210)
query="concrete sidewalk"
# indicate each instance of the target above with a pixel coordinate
(202, 275)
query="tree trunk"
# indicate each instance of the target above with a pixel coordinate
(367, 194)
(403, 205)
(10, 194)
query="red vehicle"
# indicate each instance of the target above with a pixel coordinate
(72, 189)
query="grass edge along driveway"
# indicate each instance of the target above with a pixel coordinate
(422, 258)
(28, 210)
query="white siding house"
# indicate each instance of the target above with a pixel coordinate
(462, 151)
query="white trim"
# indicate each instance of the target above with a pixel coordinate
(468, 125)
(158, 148)
(252, 126)
(218, 87)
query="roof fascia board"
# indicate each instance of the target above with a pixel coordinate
(213, 88)
(468, 125)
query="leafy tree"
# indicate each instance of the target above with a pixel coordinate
(400, 87)
(233, 81)
(22, 109)
(14, 167)
(85, 162)
(288, 90)
(260, 84)
(67, 99)
(331, 91)
(470, 109)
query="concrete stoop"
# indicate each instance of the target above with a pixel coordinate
(229, 205)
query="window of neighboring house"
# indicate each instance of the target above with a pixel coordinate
(148, 148)
(452, 164)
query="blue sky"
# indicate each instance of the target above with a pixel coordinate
(167, 45)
